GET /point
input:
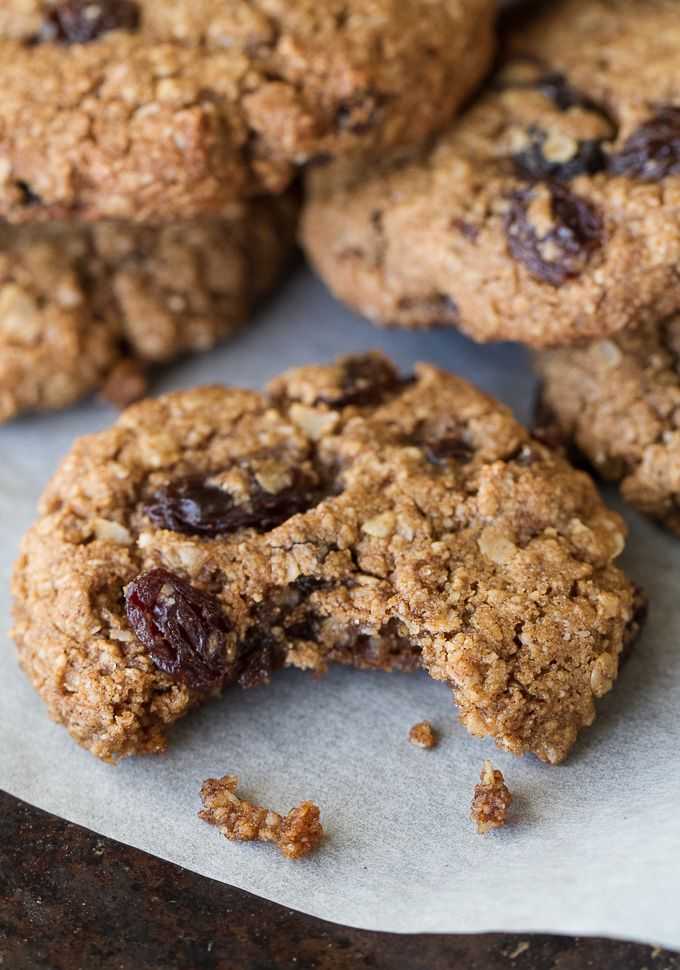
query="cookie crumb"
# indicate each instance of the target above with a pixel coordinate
(295, 835)
(491, 801)
(126, 383)
(421, 735)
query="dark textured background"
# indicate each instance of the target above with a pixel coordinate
(71, 900)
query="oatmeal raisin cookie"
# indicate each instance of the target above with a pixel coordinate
(346, 515)
(549, 214)
(86, 307)
(157, 110)
(619, 401)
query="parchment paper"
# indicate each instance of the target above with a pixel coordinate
(591, 847)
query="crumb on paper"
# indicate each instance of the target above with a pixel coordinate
(491, 800)
(295, 835)
(421, 735)
(126, 383)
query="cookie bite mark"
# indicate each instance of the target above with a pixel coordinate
(437, 532)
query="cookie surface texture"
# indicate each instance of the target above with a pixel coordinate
(619, 401)
(347, 515)
(549, 213)
(154, 110)
(83, 306)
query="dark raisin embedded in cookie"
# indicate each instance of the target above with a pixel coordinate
(563, 251)
(559, 154)
(195, 506)
(365, 381)
(564, 95)
(652, 151)
(443, 449)
(82, 21)
(184, 629)
(562, 172)
(534, 162)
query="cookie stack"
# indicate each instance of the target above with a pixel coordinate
(347, 514)
(185, 122)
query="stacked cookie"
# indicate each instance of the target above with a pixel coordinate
(185, 122)
(348, 514)
(550, 215)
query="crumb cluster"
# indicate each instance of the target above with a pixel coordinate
(421, 735)
(295, 835)
(491, 801)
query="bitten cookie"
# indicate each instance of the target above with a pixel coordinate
(619, 400)
(214, 535)
(148, 110)
(85, 307)
(549, 214)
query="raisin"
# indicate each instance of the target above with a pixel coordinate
(653, 150)
(531, 163)
(259, 657)
(469, 230)
(308, 584)
(193, 506)
(184, 630)
(306, 629)
(365, 381)
(577, 232)
(80, 21)
(589, 157)
(444, 448)
(361, 113)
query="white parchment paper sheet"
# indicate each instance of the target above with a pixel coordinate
(592, 846)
